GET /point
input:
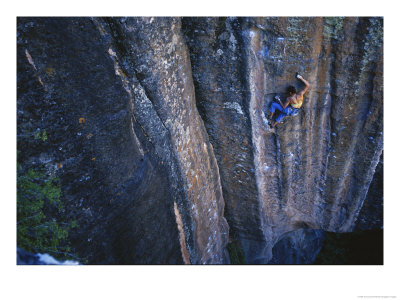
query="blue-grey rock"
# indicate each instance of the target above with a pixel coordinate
(155, 129)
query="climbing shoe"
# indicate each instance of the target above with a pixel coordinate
(271, 129)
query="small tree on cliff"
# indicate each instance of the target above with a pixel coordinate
(38, 196)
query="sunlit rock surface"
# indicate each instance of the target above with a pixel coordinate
(315, 170)
(155, 127)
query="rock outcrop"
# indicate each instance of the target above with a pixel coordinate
(314, 171)
(155, 127)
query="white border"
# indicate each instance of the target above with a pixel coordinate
(208, 282)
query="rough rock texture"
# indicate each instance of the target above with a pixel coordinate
(371, 215)
(155, 127)
(140, 162)
(315, 170)
(297, 247)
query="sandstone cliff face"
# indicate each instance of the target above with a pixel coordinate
(155, 128)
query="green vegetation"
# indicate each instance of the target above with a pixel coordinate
(42, 225)
(39, 134)
(236, 253)
(38, 196)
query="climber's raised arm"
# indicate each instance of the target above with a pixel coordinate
(303, 91)
(294, 99)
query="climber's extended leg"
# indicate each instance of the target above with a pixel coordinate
(288, 111)
(280, 117)
(275, 106)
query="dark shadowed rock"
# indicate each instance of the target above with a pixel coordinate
(156, 129)
(112, 182)
(371, 215)
(297, 247)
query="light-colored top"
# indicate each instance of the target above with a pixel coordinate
(298, 103)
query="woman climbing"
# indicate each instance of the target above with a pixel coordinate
(295, 100)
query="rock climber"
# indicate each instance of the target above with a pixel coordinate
(295, 100)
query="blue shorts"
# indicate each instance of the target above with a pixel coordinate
(288, 111)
